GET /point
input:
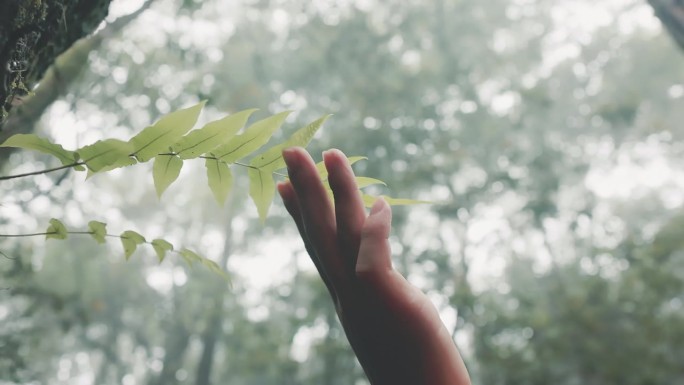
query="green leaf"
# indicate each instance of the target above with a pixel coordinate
(98, 230)
(34, 142)
(323, 172)
(220, 179)
(161, 247)
(214, 267)
(56, 230)
(368, 201)
(405, 202)
(262, 190)
(272, 159)
(190, 256)
(105, 155)
(165, 171)
(158, 137)
(362, 181)
(130, 241)
(251, 140)
(212, 135)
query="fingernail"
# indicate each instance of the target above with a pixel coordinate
(328, 153)
(378, 206)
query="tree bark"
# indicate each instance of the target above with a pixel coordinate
(66, 69)
(32, 34)
(214, 329)
(671, 14)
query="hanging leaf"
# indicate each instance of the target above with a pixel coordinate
(165, 171)
(158, 137)
(98, 230)
(212, 135)
(161, 247)
(214, 267)
(262, 190)
(362, 181)
(251, 140)
(220, 179)
(272, 159)
(405, 202)
(130, 241)
(368, 201)
(323, 172)
(190, 256)
(56, 230)
(105, 155)
(34, 142)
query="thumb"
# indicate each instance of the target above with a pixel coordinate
(374, 250)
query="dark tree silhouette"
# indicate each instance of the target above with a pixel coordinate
(671, 14)
(32, 34)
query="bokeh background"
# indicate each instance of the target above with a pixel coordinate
(549, 131)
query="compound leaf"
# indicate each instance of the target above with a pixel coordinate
(105, 155)
(404, 202)
(362, 181)
(214, 267)
(220, 179)
(130, 241)
(158, 137)
(262, 190)
(161, 247)
(165, 171)
(190, 256)
(98, 230)
(368, 201)
(212, 135)
(251, 140)
(272, 159)
(34, 142)
(56, 230)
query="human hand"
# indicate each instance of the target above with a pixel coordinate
(392, 326)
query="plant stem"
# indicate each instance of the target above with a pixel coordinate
(7, 177)
(24, 235)
(246, 165)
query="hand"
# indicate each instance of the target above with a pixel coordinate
(392, 326)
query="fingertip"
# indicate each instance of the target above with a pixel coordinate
(282, 189)
(379, 205)
(334, 157)
(294, 157)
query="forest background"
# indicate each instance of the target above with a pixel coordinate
(551, 130)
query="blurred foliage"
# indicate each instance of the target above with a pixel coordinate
(553, 139)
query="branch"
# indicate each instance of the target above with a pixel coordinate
(67, 67)
(49, 170)
(671, 14)
(8, 177)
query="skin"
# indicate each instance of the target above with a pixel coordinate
(391, 325)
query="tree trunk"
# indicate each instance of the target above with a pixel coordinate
(671, 14)
(66, 69)
(214, 330)
(32, 34)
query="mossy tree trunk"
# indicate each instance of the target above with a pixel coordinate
(54, 70)
(32, 34)
(671, 14)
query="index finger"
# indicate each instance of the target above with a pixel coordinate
(316, 210)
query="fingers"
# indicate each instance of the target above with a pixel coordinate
(374, 250)
(317, 215)
(349, 210)
(291, 202)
